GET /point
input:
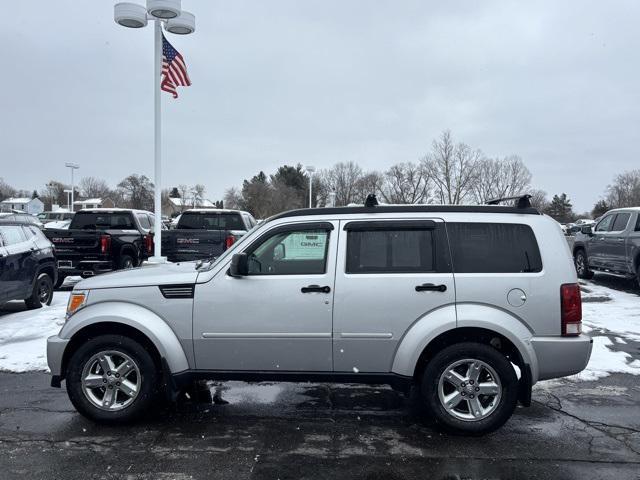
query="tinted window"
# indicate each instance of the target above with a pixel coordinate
(620, 223)
(493, 248)
(638, 224)
(604, 225)
(103, 220)
(211, 221)
(391, 250)
(12, 234)
(296, 252)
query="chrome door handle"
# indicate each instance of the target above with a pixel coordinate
(430, 287)
(316, 288)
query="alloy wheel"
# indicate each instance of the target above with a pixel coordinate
(469, 389)
(111, 380)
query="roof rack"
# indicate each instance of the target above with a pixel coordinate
(521, 201)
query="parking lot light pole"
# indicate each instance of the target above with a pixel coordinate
(310, 170)
(72, 166)
(180, 22)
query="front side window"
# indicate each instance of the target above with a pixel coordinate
(493, 248)
(637, 229)
(604, 225)
(393, 249)
(293, 252)
(12, 234)
(620, 223)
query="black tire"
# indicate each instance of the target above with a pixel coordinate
(42, 292)
(581, 263)
(149, 381)
(508, 393)
(126, 262)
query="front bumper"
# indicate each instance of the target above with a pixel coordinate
(55, 352)
(561, 356)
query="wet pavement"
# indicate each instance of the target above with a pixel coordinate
(316, 431)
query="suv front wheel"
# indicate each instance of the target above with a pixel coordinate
(112, 379)
(470, 388)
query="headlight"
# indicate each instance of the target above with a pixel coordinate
(76, 300)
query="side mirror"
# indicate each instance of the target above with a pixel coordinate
(586, 229)
(239, 265)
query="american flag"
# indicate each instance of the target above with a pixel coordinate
(174, 70)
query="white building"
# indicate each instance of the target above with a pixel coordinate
(32, 206)
(93, 203)
(181, 204)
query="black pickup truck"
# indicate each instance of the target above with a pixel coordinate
(102, 240)
(204, 233)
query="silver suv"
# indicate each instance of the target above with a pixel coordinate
(470, 304)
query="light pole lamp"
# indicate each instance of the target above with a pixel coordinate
(310, 169)
(72, 166)
(177, 21)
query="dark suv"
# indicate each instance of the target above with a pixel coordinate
(27, 265)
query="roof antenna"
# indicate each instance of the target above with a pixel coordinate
(371, 201)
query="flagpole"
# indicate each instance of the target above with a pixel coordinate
(157, 65)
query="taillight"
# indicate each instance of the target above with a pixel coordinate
(570, 309)
(105, 244)
(148, 243)
(230, 240)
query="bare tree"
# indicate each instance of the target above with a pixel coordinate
(92, 187)
(539, 199)
(625, 190)
(137, 191)
(197, 194)
(233, 199)
(184, 194)
(6, 190)
(499, 178)
(406, 183)
(343, 179)
(453, 169)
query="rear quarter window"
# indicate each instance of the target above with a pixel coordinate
(493, 248)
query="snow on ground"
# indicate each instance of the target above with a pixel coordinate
(23, 334)
(607, 314)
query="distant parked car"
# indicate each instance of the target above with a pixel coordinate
(612, 246)
(27, 265)
(23, 218)
(48, 217)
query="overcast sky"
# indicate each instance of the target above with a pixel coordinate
(318, 82)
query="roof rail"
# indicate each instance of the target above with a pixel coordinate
(521, 201)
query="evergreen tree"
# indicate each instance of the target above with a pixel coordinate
(600, 208)
(560, 209)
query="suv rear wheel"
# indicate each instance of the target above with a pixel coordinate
(112, 379)
(470, 388)
(582, 265)
(42, 292)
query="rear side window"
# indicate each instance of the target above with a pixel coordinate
(394, 249)
(144, 221)
(620, 223)
(12, 234)
(493, 248)
(211, 221)
(638, 224)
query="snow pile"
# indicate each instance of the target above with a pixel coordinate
(23, 335)
(620, 314)
(604, 362)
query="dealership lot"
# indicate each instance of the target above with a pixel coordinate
(585, 425)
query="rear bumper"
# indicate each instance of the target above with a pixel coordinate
(55, 352)
(84, 268)
(561, 356)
